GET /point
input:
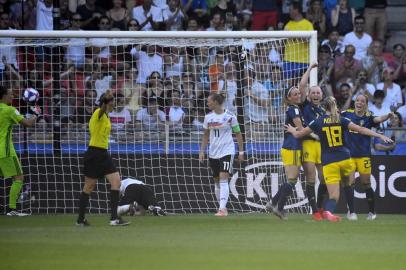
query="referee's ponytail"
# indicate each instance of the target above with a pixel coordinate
(105, 98)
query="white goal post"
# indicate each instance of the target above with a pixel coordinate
(161, 81)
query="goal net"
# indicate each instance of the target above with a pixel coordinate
(161, 82)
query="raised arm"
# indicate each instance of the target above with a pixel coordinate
(298, 133)
(383, 118)
(304, 81)
(29, 122)
(368, 132)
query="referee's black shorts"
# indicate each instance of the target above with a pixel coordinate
(98, 163)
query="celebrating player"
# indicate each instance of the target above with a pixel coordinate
(291, 153)
(134, 192)
(335, 157)
(360, 149)
(312, 109)
(98, 163)
(220, 125)
(9, 164)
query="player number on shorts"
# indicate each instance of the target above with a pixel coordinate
(334, 136)
(226, 165)
(367, 163)
(216, 133)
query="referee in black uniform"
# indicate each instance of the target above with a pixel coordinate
(98, 163)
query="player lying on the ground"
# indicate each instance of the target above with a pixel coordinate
(135, 193)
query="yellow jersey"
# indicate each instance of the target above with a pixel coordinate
(297, 50)
(99, 130)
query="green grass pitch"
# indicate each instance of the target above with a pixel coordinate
(239, 241)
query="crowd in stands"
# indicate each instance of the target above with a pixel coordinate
(160, 85)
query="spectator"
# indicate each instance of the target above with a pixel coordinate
(346, 66)
(101, 46)
(325, 70)
(334, 43)
(188, 91)
(358, 38)
(66, 15)
(342, 17)
(67, 106)
(357, 5)
(276, 86)
(118, 15)
(393, 94)
(148, 16)
(44, 15)
(84, 112)
(23, 20)
(99, 80)
(173, 16)
(230, 88)
(244, 8)
(155, 89)
(176, 113)
(216, 72)
(75, 52)
(8, 54)
(374, 63)
(344, 100)
(173, 63)
(90, 14)
(316, 16)
(380, 145)
(150, 118)
(257, 100)
(378, 108)
(375, 18)
(225, 7)
(361, 86)
(131, 90)
(193, 25)
(396, 123)
(197, 9)
(120, 117)
(133, 25)
(398, 63)
(296, 63)
(201, 63)
(402, 111)
(217, 22)
(148, 60)
(264, 14)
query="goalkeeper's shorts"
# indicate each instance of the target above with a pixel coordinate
(291, 157)
(334, 171)
(98, 163)
(10, 166)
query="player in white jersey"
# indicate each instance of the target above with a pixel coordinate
(134, 192)
(219, 126)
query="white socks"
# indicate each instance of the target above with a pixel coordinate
(224, 193)
(217, 190)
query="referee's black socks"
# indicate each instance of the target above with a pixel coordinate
(83, 202)
(114, 198)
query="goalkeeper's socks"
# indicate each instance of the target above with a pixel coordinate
(330, 205)
(349, 195)
(217, 190)
(321, 192)
(224, 193)
(310, 193)
(286, 189)
(83, 202)
(275, 198)
(14, 192)
(369, 192)
(114, 198)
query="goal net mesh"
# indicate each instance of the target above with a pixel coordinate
(161, 88)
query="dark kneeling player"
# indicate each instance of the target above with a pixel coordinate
(134, 192)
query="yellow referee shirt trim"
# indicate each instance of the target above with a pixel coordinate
(99, 130)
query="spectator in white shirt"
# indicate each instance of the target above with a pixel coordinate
(379, 108)
(100, 46)
(121, 116)
(176, 114)
(148, 16)
(150, 118)
(148, 60)
(173, 16)
(402, 111)
(375, 63)
(358, 38)
(393, 94)
(8, 54)
(76, 49)
(45, 20)
(258, 100)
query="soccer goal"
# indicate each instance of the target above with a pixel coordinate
(161, 81)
